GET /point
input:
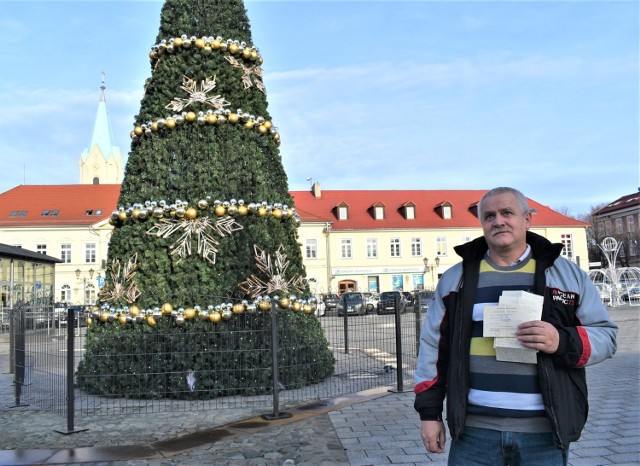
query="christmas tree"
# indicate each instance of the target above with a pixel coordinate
(205, 240)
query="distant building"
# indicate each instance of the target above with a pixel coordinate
(101, 162)
(621, 220)
(381, 240)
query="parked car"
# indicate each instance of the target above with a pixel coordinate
(408, 298)
(353, 303)
(331, 300)
(423, 299)
(388, 300)
(80, 316)
(371, 302)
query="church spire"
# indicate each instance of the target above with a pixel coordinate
(101, 162)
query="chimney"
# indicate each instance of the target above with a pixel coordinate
(315, 188)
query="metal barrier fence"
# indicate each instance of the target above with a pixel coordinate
(370, 351)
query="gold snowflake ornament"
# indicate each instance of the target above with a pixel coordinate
(247, 71)
(275, 271)
(122, 285)
(195, 95)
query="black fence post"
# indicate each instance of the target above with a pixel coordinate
(71, 397)
(398, 325)
(417, 312)
(18, 353)
(345, 325)
(275, 372)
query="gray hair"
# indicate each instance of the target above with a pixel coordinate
(523, 203)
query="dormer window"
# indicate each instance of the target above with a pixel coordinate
(377, 210)
(408, 210)
(343, 211)
(445, 210)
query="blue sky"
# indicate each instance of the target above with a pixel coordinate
(540, 95)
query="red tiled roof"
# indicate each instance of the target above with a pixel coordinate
(73, 202)
(630, 200)
(322, 209)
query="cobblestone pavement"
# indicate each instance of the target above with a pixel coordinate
(374, 428)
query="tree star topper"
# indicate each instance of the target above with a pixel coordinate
(275, 271)
(195, 95)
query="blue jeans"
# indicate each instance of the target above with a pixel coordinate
(494, 448)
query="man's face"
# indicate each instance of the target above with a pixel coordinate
(504, 224)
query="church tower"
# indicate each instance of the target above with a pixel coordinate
(101, 162)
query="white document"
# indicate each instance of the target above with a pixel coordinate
(501, 322)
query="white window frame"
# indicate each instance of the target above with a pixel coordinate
(631, 224)
(90, 253)
(311, 249)
(441, 245)
(410, 212)
(416, 247)
(372, 248)
(619, 226)
(65, 293)
(379, 212)
(346, 248)
(41, 249)
(465, 239)
(65, 253)
(394, 248)
(567, 241)
(343, 212)
(633, 246)
(446, 212)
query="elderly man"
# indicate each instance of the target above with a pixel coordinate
(501, 412)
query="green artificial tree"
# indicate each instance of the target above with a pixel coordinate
(205, 241)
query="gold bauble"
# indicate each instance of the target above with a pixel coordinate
(134, 310)
(138, 131)
(238, 308)
(211, 119)
(264, 305)
(154, 126)
(151, 321)
(104, 316)
(153, 55)
(308, 308)
(263, 129)
(189, 313)
(246, 54)
(233, 48)
(122, 216)
(296, 306)
(191, 213)
(276, 137)
(200, 43)
(220, 210)
(215, 317)
(122, 318)
(135, 214)
(89, 321)
(290, 212)
(243, 210)
(233, 118)
(277, 213)
(284, 302)
(177, 42)
(167, 308)
(170, 123)
(190, 116)
(267, 124)
(254, 54)
(262, 211)
(249, 124)
(216, 44)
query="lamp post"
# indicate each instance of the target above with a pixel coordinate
(84, 283)
(430, 268)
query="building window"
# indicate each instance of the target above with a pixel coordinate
(379, 212)
(343, 213)
(619, 228)
(65, 294)
(410, 212)
(633, 246)
(601, 232)
(372, 248)
(416, 247)
(441, 245)
(90, 294)
(631, 225)
(65, 253)
(607, 227)
(90, 253)
(311, 249)
(465, 239)
(394, 247)
(567, 242)
(41, 249)
(446, 212)
(346, 248)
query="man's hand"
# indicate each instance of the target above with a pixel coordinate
(539, 335)
(434, 435)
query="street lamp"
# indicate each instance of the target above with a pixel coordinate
(84, 282)
(431, 268)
